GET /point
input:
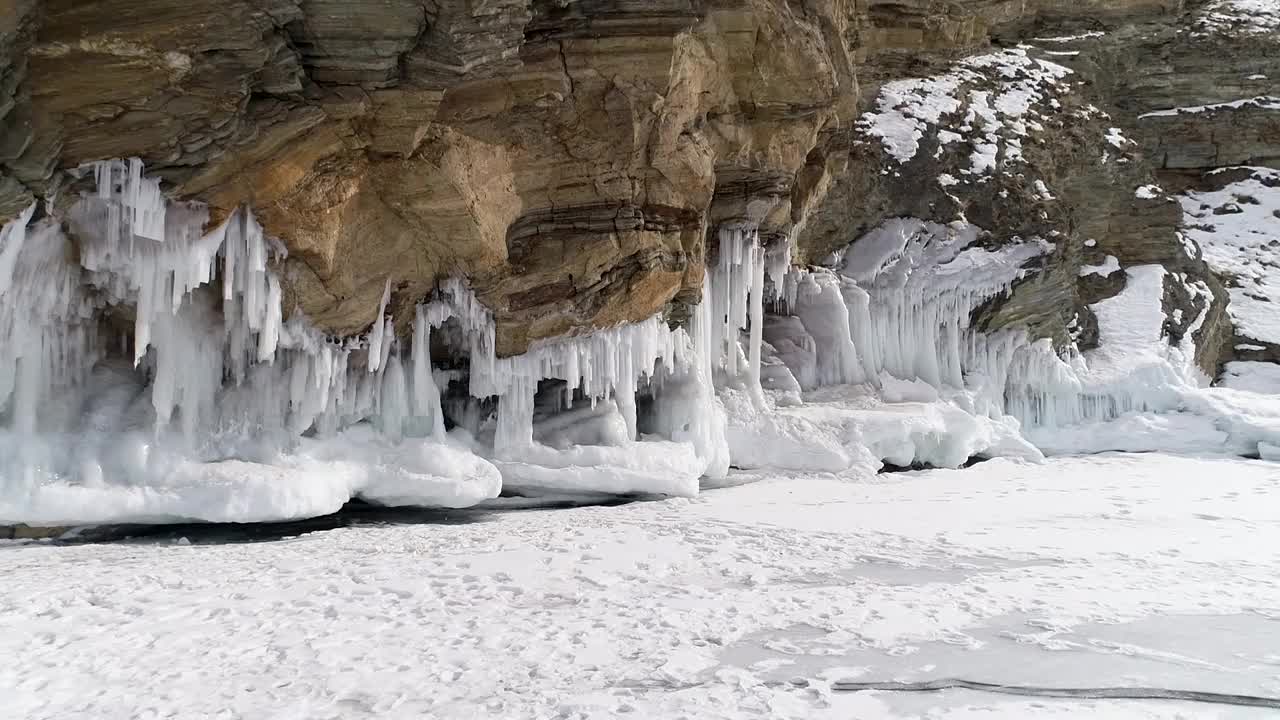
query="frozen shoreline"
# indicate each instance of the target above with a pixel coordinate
(1105, 570)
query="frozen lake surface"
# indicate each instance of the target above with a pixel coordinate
(750, 601)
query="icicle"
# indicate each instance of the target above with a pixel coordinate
(376, 338)
(737, 296)
(48, 339)
(515, 417)
(393, 403)
(12, 238)
(269, 334)
(426, 395)
(706, 428)
(145, 203)
(777, 267)
(757, 325)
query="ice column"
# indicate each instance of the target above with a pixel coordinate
(705, 424)
(737, 303)
(426, 395)
(48, 338)
(377, 346)
(828, 316)
(911, 287)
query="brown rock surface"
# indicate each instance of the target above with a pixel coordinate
(572, 157)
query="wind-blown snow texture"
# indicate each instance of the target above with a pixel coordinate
(1141, 570)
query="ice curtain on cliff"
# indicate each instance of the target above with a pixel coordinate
(150, 371)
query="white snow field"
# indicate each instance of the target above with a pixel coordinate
(746, 602)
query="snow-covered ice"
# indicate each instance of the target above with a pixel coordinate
(746, 602)
(1259, 377)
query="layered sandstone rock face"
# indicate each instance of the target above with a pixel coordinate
(574, 158)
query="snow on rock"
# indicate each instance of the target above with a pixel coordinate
(1149, 192)
(1130, 325)
(1109, 265)
(1133, 370)
(1138, 393)
(1238, 230)
(1070, 38)
(1004, 95)
(1116, 139)
(1238, 17)
(907, 108)
(1261, 102)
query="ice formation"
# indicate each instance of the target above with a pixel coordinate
(895, 373)
(203, 416)
(209, 405)
(605, 369)
(149, 372)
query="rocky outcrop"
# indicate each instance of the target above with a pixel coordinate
(573, 158)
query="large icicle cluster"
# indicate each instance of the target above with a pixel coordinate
(737, 296)
(48, 336)
(887, 331)
(208, 321)
(147, 372)
(883, 346)
(604, 365)
(914, 287)
(605, 368)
